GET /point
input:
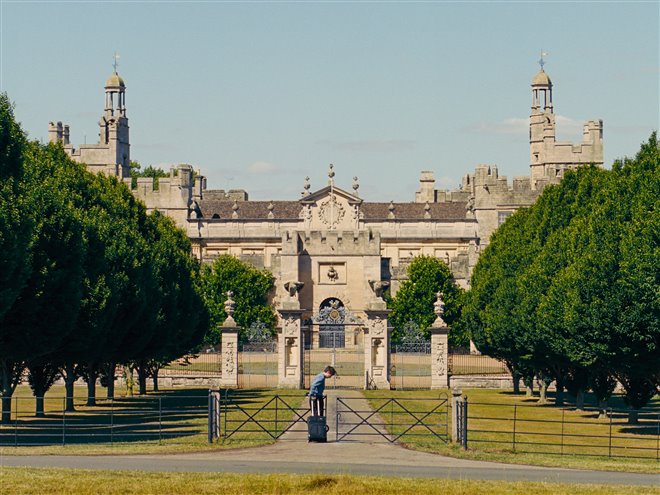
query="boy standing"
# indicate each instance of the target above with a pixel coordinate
(317, 389)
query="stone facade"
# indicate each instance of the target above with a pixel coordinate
(332, 244)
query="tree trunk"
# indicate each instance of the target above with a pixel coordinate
(559, 394)
(579, 400)
(39, 407)
(91, 375)
(154, 377)
(633, 416)
(142, 377)
(41, 376)
(128, 378)
(39, 391)
(6, 408)
(11, 377)
(602, 409)
(543, 389)
(529, 386)
(110, 375)
(69, 381)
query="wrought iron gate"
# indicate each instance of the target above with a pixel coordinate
(258, 358)
(335, 337)
(411, 359)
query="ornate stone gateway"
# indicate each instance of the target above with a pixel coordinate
(335, 337)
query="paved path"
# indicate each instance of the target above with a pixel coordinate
(292, 454)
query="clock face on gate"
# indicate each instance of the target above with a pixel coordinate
(331, 212)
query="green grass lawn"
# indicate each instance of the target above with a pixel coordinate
(581, 437)
(168, 421)
(16, 481)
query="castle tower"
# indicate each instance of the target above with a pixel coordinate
(549, 158)
(113, 131)
(541, 122)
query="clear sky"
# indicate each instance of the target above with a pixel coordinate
(260, 94)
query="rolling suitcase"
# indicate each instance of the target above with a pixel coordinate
(317, 427)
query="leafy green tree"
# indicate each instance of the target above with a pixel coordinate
(636, 335)
(427, 275)
(46, 310)
(150, 171)
(494, 294)
(16, 229)
(16, 223)
(178, 321)
(569, 287)
(250, 287)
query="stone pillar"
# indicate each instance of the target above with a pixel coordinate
(229, 348)
(290, 345)
(290, 350)
(439, 347)
(377, 349)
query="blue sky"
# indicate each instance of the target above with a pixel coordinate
(259, 95)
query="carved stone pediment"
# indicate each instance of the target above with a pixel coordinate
(332, 208)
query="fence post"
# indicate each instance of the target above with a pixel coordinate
(160, 420)
(277, 400)
(515, 410)
(15, 419)
(456, 396)
(64, 421)
(211, 417)
(465, 423)
(563, 411)
(112, 421)
(657, 442)
(609, 451)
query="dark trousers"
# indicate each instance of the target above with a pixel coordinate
(316, 404)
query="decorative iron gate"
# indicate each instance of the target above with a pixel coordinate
(411, 360)
(335, 337)
(258, 358)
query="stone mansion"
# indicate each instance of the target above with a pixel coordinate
(331, 246)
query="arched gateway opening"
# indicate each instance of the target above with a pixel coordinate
(332, 331)
(335, 336)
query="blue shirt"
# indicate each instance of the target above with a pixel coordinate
(318, 385)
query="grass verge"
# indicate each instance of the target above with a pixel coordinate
(543, 433)
(15, 481)
(170, 421)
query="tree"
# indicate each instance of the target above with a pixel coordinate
(16, 229)
(250, 287)
(414, 300)
(150, 171)
(569, 287)
(178, 321)
(45, 311)
(16, 223)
